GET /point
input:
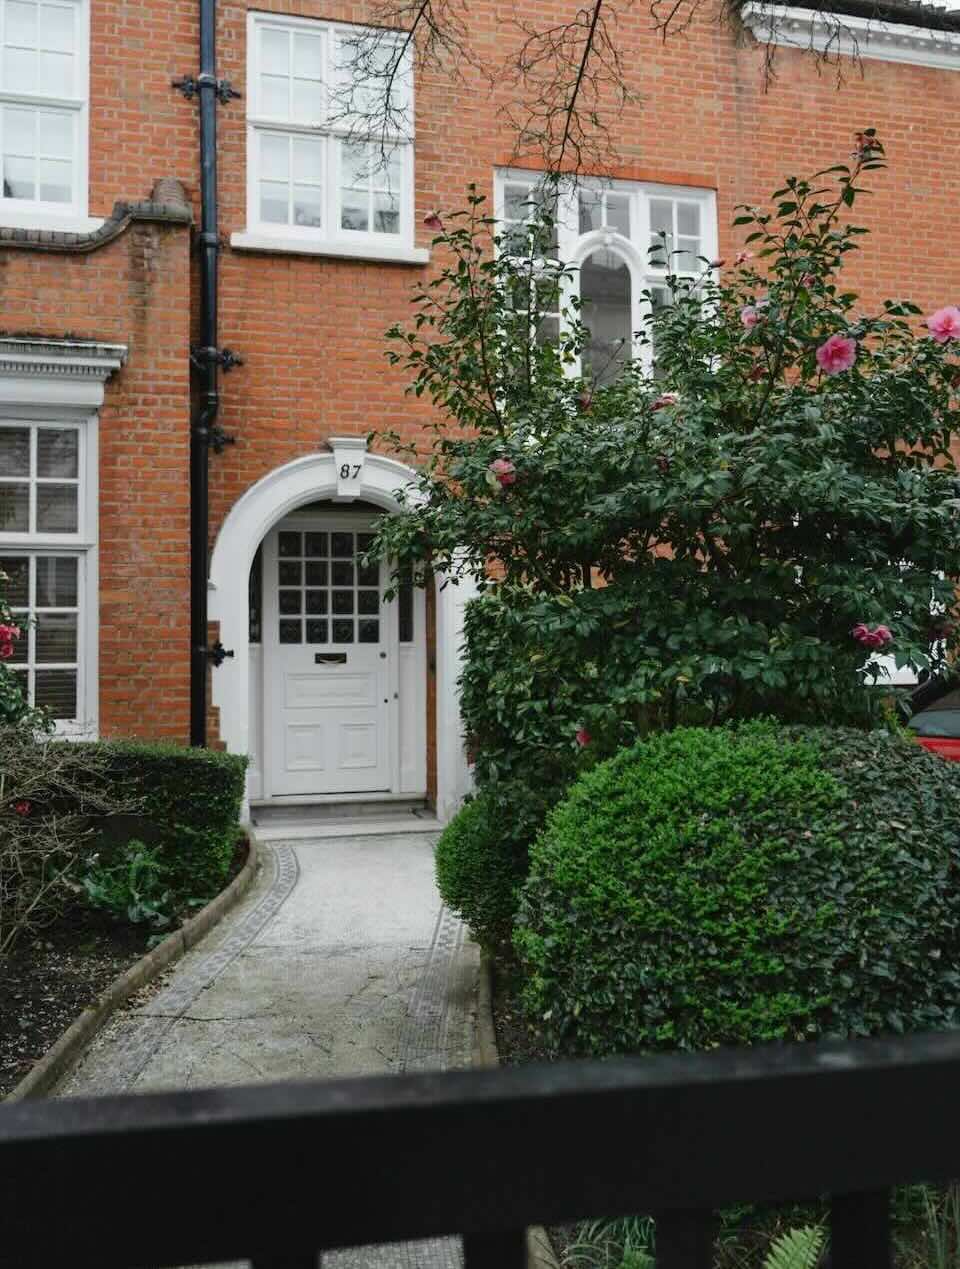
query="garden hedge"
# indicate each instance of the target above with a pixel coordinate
(188, 803)
(736, 885)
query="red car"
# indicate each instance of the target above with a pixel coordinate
(938, 726)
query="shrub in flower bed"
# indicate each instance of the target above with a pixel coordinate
(738, 885)
(68, 812)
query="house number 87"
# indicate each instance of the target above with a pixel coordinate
(349, 473)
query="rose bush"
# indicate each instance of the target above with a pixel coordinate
(13, 705)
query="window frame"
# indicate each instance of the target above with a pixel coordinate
(37, 213)
(573, 247)
(341, 241)
(82, 544)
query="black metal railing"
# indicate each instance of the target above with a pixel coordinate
(277, 1173)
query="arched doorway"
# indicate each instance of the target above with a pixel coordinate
(328, 711)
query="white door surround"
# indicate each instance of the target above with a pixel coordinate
(343, 474)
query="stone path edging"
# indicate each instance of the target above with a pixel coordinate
(61, 1056)
(540, 1253)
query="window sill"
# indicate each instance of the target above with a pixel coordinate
(67, 224)
(335, 250)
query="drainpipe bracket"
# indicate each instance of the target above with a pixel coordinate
(225, 358)
(190, 86)
(218, 439)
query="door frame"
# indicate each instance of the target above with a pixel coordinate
(332, 521)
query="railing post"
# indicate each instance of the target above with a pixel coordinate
(495, 1251)
(685, 1239)
(860, 1231)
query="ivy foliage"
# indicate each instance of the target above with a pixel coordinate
(695, 546)
(746, 883)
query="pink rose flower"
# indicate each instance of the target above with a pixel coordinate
(743, 256)
(808, 279)
(663, 400)
(22, 807)
(944, 324)
(878, 637)
(749, 316)
(583, 737)
(504, 471)
(434, 222)
(7, 636)
(836, 354)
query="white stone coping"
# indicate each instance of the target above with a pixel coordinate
(852, 36)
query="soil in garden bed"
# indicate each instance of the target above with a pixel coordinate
(50, 977)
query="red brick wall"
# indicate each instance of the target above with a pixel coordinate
(310, 329)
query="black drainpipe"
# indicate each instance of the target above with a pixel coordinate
(206, 359)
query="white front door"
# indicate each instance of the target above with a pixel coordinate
(328, 639)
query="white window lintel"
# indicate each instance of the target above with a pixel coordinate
(58, 373)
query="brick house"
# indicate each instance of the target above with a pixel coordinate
(332, 691)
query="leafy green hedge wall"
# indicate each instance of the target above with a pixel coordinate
(187, 801)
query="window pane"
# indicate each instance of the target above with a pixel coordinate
(368, 631)
(274, 96)
(290, 544)
(57, 452)
(308, 56)
(368, 574)
(291, 631)
(19, 131)
(353, 213)
(661, 215)
(343, 602)
(255, 597)
(688, 219)
(289, 602)
(405, 601)
(56, 637)
(606, 311)
(21, 24)
(56, 508)
(57, 27)
(56, 691)
(307, 206)
(21, 646)
(290, 572)
(19, 70)
(343, 631)
(307, 159)
(516, 202)
(54, 135)
(17, 569)
(316, 632)
(386, 214)
(316, 601)
(56, 581)
(274, 207)
(55, 181)
(354, 166)
(317, 573)
(591, 211)
(14, 451)
(341, 545)
(275, 51)
(14, 507)
(274, 157)
(618, 213)
(316, 545)
(685, 257)
(342, 573)
(368, 601)
(19, 178)
(55, 72)
(307, 101)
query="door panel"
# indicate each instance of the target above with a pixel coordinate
(328, 643)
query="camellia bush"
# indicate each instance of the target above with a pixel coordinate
(739, 534)
(13, 704)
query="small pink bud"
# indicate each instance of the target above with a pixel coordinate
(742, 257)
(434, 222)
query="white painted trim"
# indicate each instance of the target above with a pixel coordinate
(292, 244)
(851, 36)
(56, 373)
(313, 478)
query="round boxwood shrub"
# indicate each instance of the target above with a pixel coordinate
(481, 862)
(731, 886)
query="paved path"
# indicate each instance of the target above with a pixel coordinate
(340, 961)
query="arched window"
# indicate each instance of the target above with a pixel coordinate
(607, 312)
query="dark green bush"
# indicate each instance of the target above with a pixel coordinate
(481, 863)
(188, 805)
(731, 886)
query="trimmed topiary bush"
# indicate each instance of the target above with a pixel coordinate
(731, 886)
(188, 805)
(481, 862)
